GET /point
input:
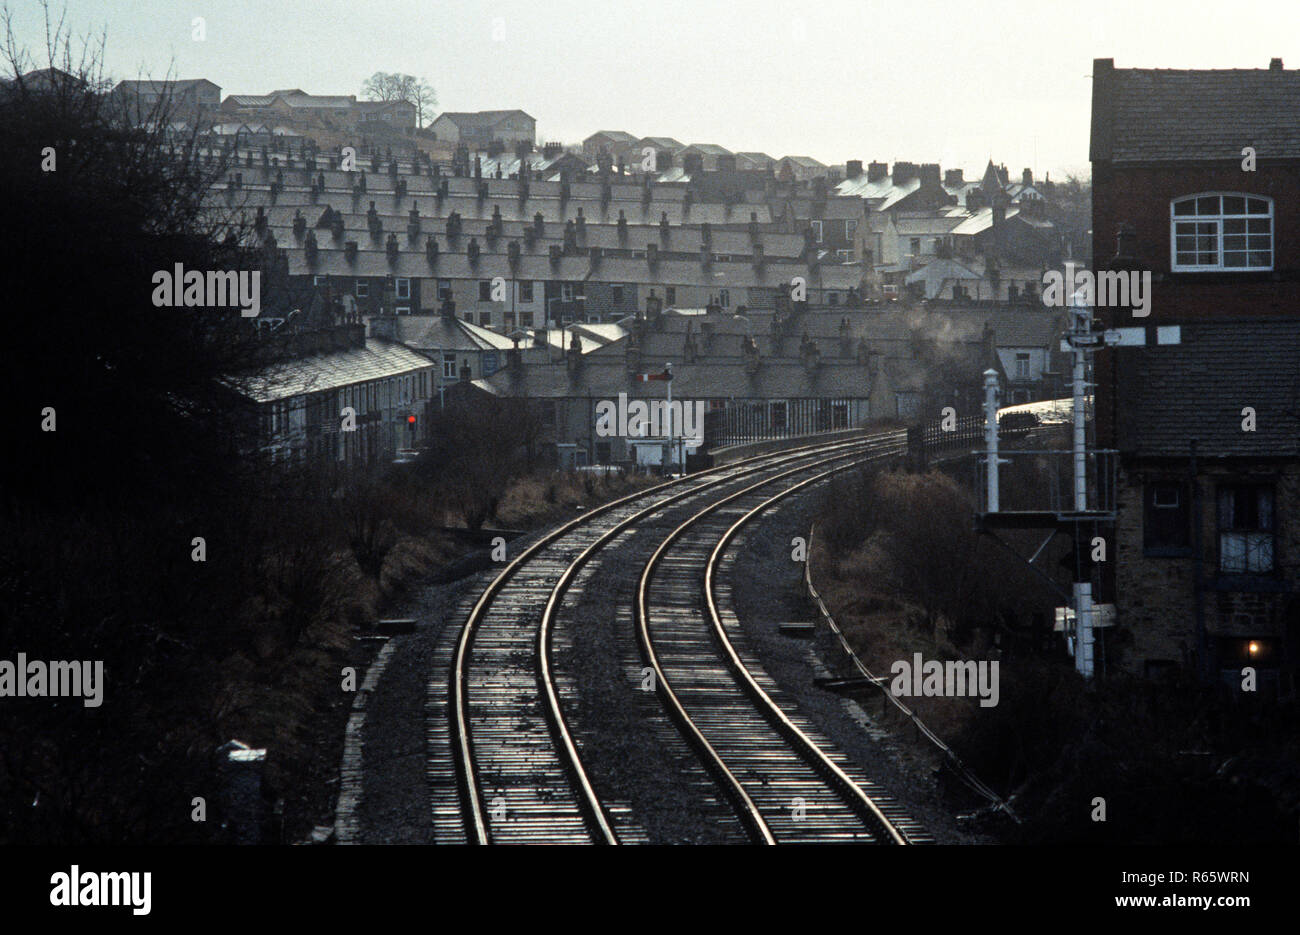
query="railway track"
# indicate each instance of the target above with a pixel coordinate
(775, 769)
(499, 726)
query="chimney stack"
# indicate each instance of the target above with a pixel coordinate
(877, 171)
(1027, 177)
(853, 168)
(952, 178)
(1275, 64)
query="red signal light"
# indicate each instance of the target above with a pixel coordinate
(411, 419)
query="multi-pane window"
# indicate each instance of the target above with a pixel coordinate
(449, 366)
(1022, 366)
(1246, 529)
(363, 289)
(403, 287)
(526, 291)
(817, 231)
(1165, 522)
(724, 298)
(670, 295)
(1226, 231)
(485, 290)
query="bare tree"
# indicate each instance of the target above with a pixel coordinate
(395, 86)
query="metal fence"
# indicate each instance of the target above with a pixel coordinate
(741, 423)
(927, 440)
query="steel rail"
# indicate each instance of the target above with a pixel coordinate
(747, 810)
(478, 828)
(852, 793)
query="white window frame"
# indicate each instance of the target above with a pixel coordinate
(363, 289)
(449, 366)
(566, 292)
(1217, 221)
(402, 287)
(817, 230)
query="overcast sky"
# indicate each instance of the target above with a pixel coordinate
(921, 80)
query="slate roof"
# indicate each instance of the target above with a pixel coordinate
(429, 332)
(1170, 394)
(1159, 115)
(714, 379)
(483, 119)
(618, 136)
(377, 360)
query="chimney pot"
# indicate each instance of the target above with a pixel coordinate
(1275, 64)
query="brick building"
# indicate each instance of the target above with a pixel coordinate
(1205, 570)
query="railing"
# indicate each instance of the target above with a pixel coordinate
(741, 423)
(1042, 481)
(925, 441)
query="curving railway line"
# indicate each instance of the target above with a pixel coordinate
(505, 762)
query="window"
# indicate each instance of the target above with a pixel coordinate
(1245, 529)
(526, 291)
(670, 295)
(724, 298)
(319, 280)
(617, 293)
(566, 292)
(845, 255)
(485, 290)
(1165, 525)
(444, 289)
(916, 246)
(363, 289)
(485, 319)
(722, 258)
(525, 319)
(403, 309)
(817, 231)
(1022, 366)
(449, 366)
(850, 227)
(403, 287)
(832, 298)
(1222, 231)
